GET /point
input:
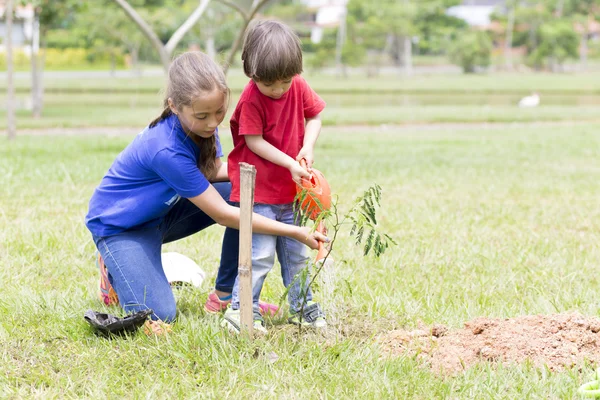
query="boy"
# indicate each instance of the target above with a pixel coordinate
(275, 124)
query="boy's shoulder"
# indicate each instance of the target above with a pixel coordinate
(301, 82)
(250, 89)
(250, 94)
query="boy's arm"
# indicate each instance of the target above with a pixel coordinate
(311, 134)
(259, 146)
(221, 175)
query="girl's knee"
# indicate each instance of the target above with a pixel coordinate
(165, 311)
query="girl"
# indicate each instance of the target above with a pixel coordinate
(168, 184)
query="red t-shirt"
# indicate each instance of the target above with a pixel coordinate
(281, 122)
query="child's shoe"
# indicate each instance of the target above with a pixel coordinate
(231, 320)
(107, 293)
(156, 328)
(215, 305)
(312, 316)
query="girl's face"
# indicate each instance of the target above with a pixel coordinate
(207, 111)
(274, 89)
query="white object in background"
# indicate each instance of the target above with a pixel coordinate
(530, 101)
(179, 268)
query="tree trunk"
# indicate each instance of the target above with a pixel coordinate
(407, 56)
(35, 83)
(36, 97)
(11, 127)
(113, 63)
(341, 39)
(509, 38)
(135, 62)
(210, 47)
(583, 48)
(164, 51)
(41, 66)
(559, 8)
(256, 5)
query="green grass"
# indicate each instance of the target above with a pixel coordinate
(133, 102)
(138, 109)
(508, 83)
(492, 222)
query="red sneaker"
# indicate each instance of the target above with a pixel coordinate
(107, 293)
(215, 305)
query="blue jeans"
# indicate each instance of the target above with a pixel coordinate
(133, 258)
(292, 255)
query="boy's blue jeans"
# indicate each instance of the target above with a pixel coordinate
(133, 258)
(292, 255)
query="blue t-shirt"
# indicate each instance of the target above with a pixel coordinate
(146, 180)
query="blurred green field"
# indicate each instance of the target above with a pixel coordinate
(133, 102)
(489, 222)
(515, 83)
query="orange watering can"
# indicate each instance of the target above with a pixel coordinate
(317, 200)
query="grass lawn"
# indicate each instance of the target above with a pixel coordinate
(138, 109)
(511, 83)
(490, 222)
(133, 102)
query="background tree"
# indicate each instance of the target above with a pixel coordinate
(247, 14)
(10, 90)
(434, 28)
(511, 6)
(558, 41)
(387, 26)
(165, 51)
(471, 50)
(582, 13)
(48, 14)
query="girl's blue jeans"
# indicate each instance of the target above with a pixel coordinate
(133, 258)
(292, 255)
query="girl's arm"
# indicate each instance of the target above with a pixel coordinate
(224, 214)
(266, 150)
(311, 134)
(221, 175)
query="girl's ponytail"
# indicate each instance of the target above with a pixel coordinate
(165, 114)
(208, 154)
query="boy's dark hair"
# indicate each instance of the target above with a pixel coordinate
(271, 52)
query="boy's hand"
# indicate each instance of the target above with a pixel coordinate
(307, 154)
(298, 172)
(311, 239)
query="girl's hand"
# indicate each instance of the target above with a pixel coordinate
(298, 172)
(308, 155)
(311, 239)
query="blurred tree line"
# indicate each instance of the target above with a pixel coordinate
(375, 32)
(552, 31)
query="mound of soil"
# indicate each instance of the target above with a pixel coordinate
(557, 341)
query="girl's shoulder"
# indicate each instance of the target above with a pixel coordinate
(165, 134)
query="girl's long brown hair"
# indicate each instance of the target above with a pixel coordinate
(190, 75)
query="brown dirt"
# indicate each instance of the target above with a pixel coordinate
(557, 341)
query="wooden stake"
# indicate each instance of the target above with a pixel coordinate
(247, 180)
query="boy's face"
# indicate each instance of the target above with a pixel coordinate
(274, 89)
(205, 114)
